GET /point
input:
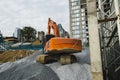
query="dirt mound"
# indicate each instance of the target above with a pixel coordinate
(26, 69)
(12, 55)
(36, 42)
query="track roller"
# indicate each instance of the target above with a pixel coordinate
(42, 59)
(67, 59)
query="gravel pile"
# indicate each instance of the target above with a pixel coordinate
(26, 69)
(76, 71)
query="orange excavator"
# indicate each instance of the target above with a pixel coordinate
(58, 48)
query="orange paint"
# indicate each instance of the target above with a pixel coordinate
(63, 43)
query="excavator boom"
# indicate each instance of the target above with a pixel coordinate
(53, 25)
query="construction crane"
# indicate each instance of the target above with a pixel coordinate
(58, 48)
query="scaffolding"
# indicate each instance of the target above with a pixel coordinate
(108, 22)
(101, 18)
(109, 28)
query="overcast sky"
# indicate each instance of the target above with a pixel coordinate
(35, 13)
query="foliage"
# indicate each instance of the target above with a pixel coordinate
(28, 34)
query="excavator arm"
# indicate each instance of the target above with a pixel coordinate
(53, 25)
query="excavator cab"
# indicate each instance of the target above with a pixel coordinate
(48, 37)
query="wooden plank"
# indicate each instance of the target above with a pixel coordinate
(107, 19)
(94, 43)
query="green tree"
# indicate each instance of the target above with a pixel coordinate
(28, 34)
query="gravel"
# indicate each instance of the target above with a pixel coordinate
(76, 71)
(28, 69)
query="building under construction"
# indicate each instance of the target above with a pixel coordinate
(78, 20)
(101, 19)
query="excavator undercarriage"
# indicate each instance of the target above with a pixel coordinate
(63, 59)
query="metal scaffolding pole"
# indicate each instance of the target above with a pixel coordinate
(118, 17)
(94, 43)
(109, 24)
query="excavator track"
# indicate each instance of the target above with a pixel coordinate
(67, 59)
(64, 59)
(46, 58)
(42, 59)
